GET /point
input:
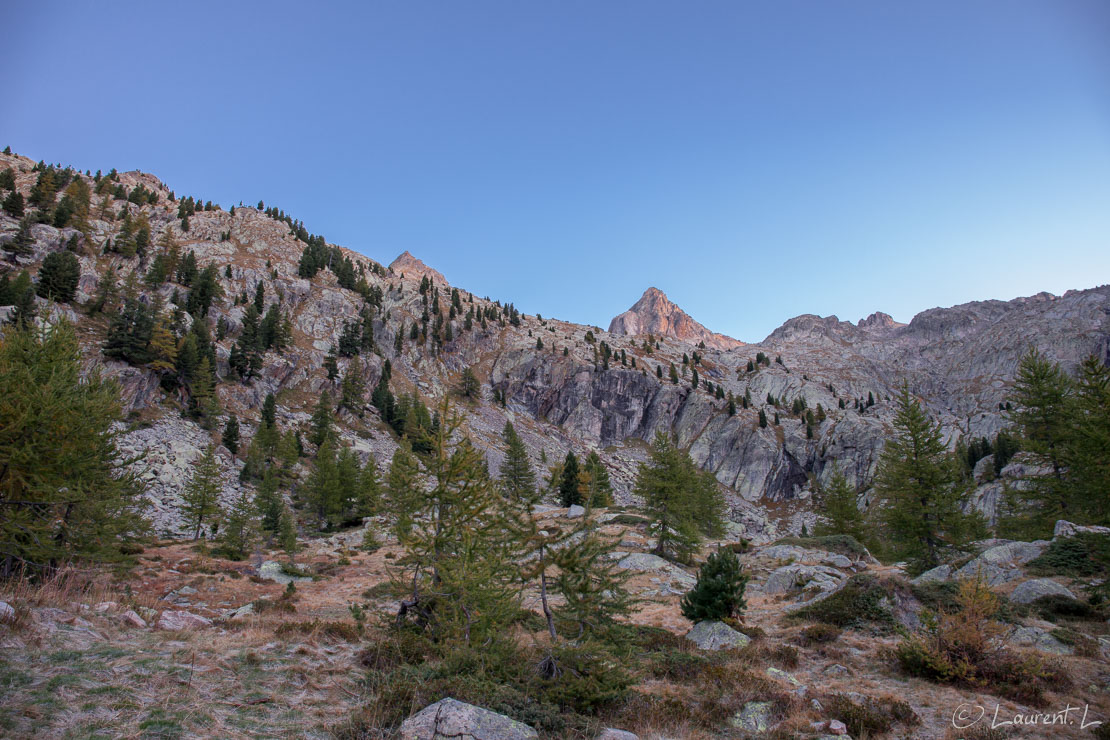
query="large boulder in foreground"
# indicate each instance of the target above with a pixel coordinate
(711, 635)
(450, 718)
(1030, 591)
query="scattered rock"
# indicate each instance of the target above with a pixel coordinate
(1068, 529)
(1035, 637)
(754, 717)
(711, 635)
(935, 575)
(644, 562)
(450, 718)
(246, 610)
(272, 570)
(182, 621)
(104, 606)
(575, 512)
(836, 727)
(133, 619)
(7, 612)
(610, 734)
(1030, 591)
(817, 580)
(835, 670)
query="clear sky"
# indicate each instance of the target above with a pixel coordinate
(754, 160)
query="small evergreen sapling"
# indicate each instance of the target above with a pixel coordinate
(719, 592)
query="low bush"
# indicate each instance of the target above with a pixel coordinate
(1085, 554)
(818, 634)
(1057, 607)
(861, 602)
(962, 647)
(874, 716)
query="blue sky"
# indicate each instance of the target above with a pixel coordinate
(754, 160)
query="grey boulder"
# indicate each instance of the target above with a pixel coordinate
(450, 718)
(1030, 591)
(712, 635)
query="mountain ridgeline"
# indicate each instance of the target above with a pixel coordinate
(287, 314)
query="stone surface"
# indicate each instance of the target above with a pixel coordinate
(575, 512)
(711, 635)
(1035, 637)
(131, 618)
(450, 718)
(754, 717)
(836, 727)
(811, 581)
(170, 620)
(611, 734)
(7, 612)
(272, 570)
(1068, 529)
(655, 314)
(1030, 591)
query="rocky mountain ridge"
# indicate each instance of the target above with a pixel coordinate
(654, 314)
(563, 385)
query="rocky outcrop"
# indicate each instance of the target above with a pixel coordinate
(655, 314)
(1030, 591)
(450, 718)
(712, 636)
(414, 269)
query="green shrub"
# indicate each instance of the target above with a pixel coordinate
(874, 716)
(630, 520)
(818, 634)
(719, 591)
(1085, 554)
(1057, 606)
(860, 602)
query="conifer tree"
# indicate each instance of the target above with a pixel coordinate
(354, 387)
(287, 532)
(569, 494)
(839, 512)
(14, 204)
(459, 548)
(58, 277)
(163, 347)
(238, 531)
(518, 481)
(719, 591)
(1042, 398)
(65, 490)
(322, 421)
(597, 491)
(923, 494)
(404, 489)
(469, 387)
(230, 437)
(268, 502)
(201, 497)
(680, 500)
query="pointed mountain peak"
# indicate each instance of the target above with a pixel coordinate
(411, 267)
(655, 313)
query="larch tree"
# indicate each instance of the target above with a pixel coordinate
(922, 491)
(66, 491)
(518, 480)
(201, 497)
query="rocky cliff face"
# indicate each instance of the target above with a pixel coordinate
(655, 314)
(569, 394)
